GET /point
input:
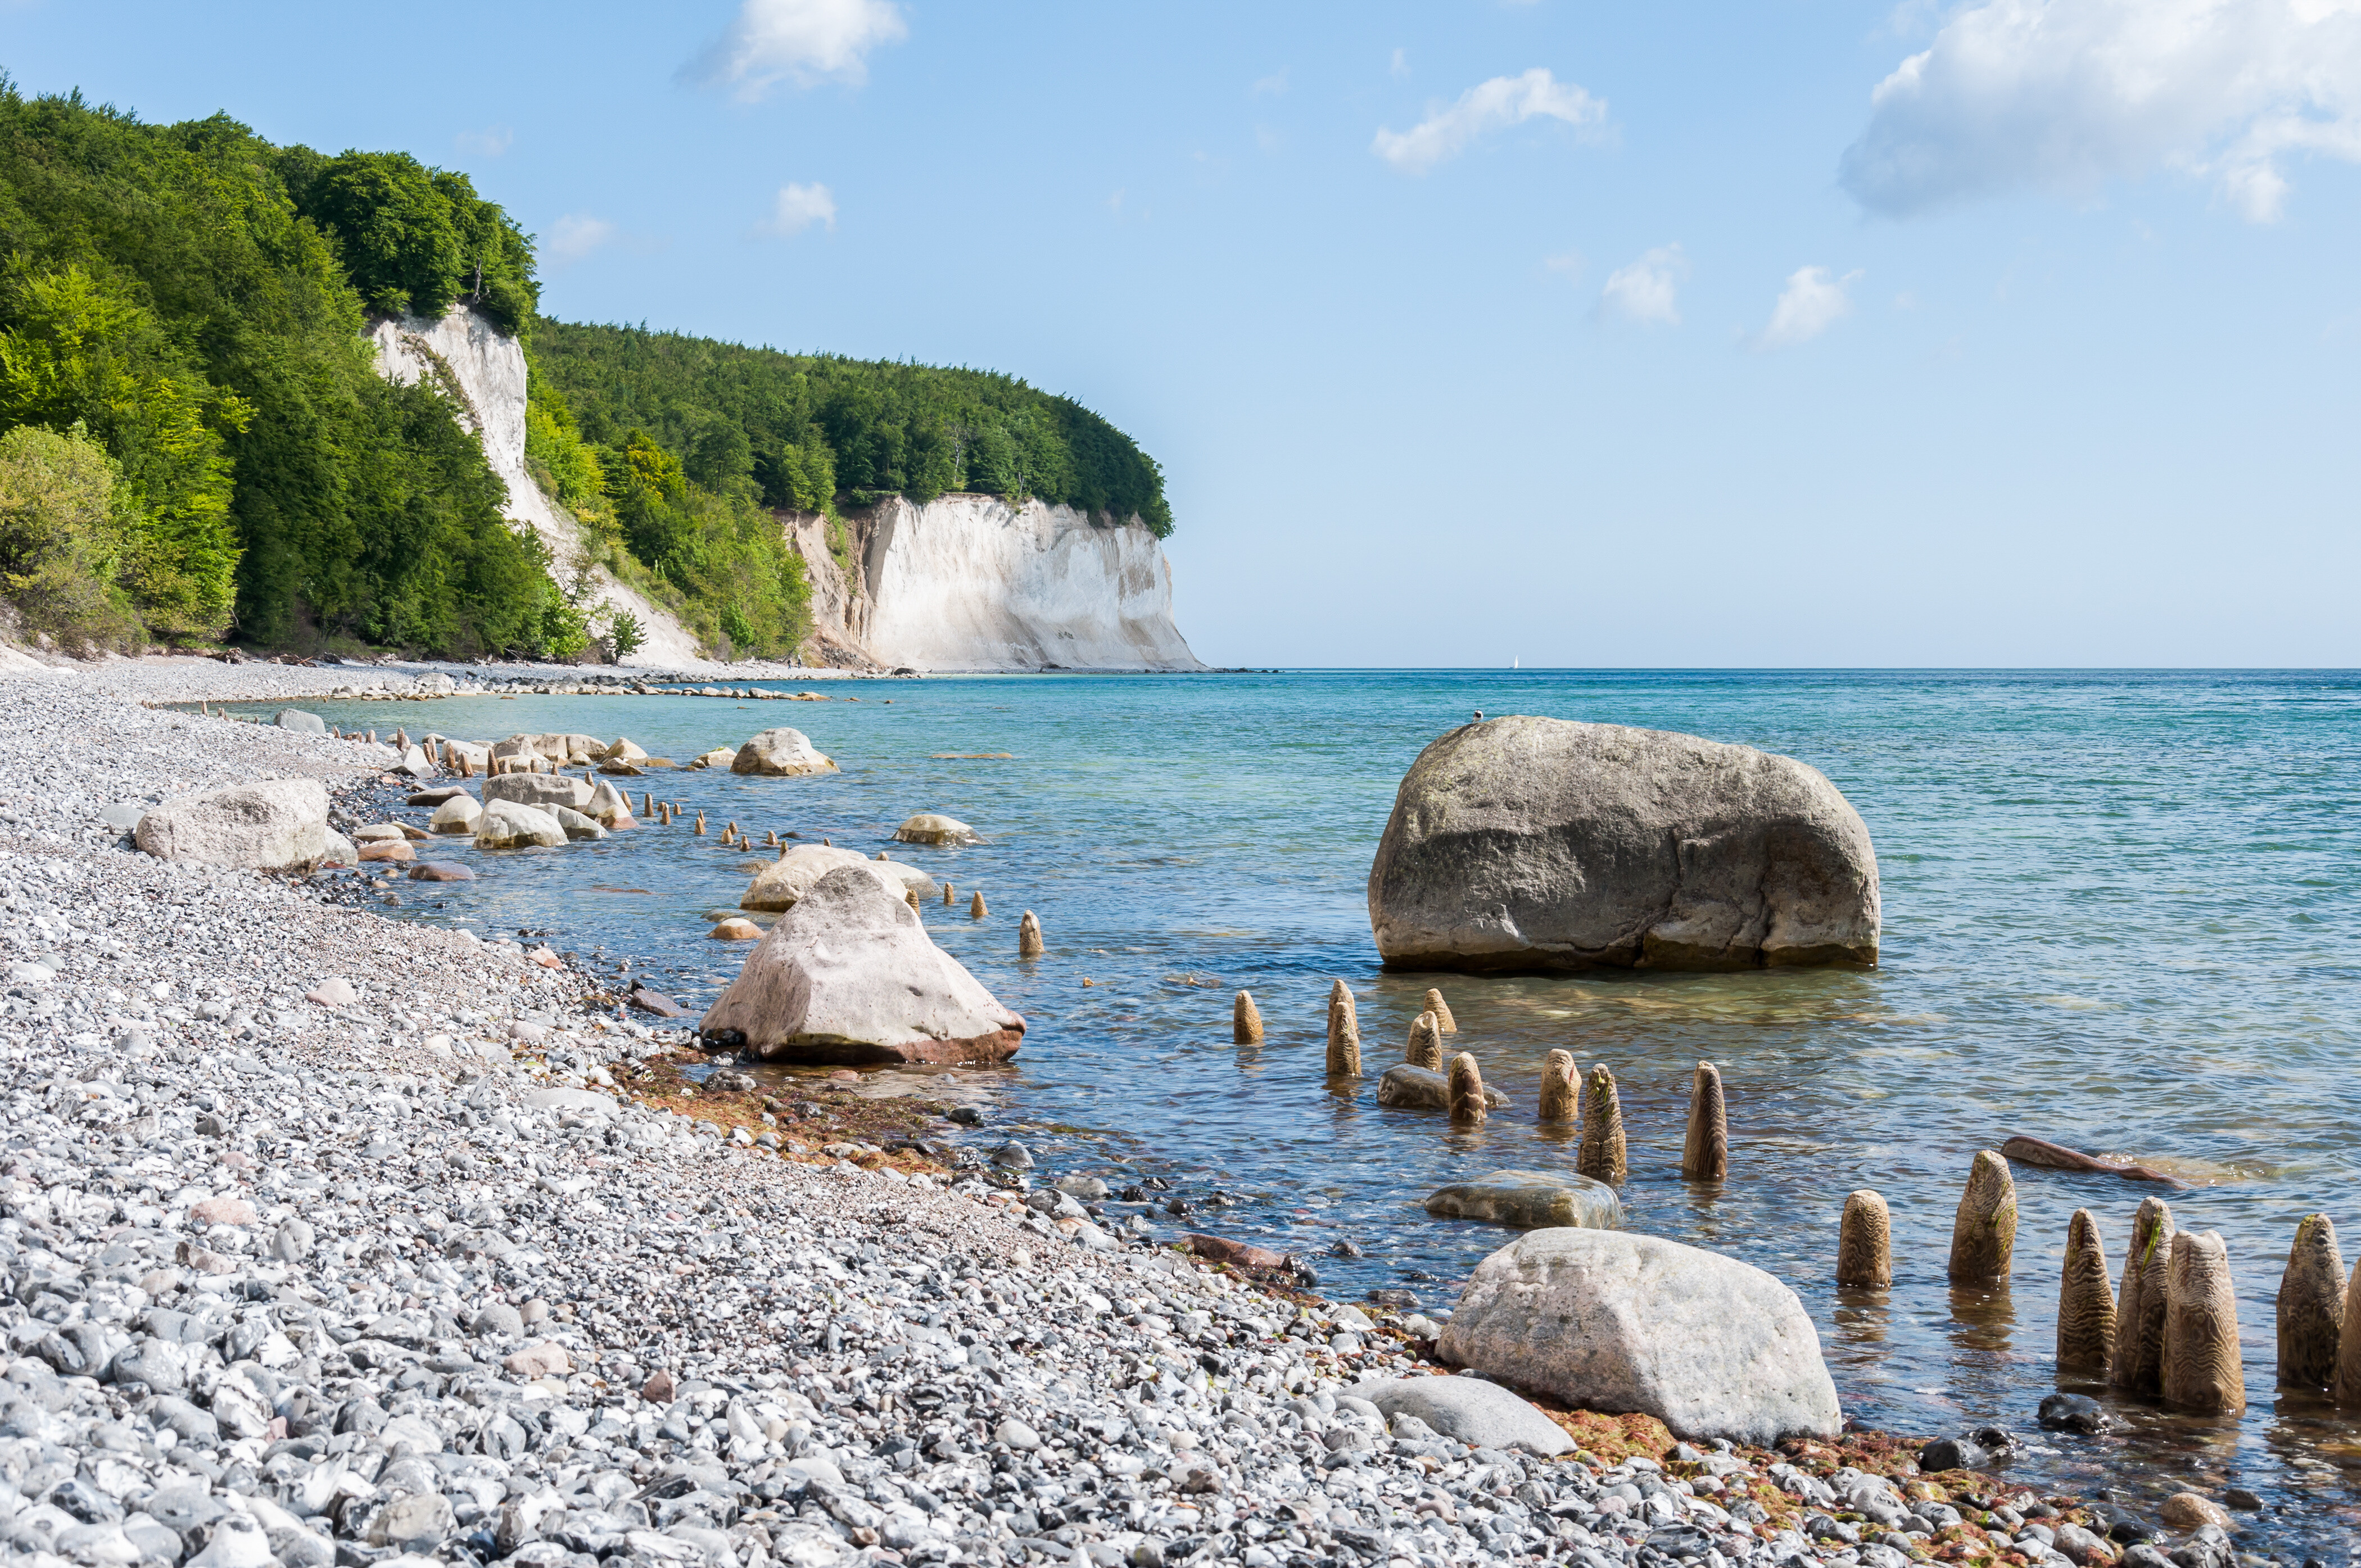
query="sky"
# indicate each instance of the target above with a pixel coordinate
(1791, 333)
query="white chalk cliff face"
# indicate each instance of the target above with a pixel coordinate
(969, 582)
(964, 582)
(486, 367)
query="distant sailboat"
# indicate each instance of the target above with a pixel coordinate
(1515, 662)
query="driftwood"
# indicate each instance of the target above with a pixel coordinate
(2057, 1156)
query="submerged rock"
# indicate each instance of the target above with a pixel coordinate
(779, 753)
(1608, 1321)
(849, 975)
(1408, 1088)
(1523, 844)
(1530, 1199)
(510, 824)
(780, 885)
(460, 814)
(277, 825)
(931, 828)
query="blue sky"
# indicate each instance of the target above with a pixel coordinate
(2011, 331)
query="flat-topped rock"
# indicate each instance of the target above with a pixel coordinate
(276, 825)
(932, 827)
(541, 790)
(1529, 1201)
(1525, 845)
(1611, 1321)
(457, 815)
(848, 975)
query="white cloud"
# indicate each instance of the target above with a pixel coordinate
(2065, 95)
(1271, 86)
(1567, 264)
(1492, 105)
(489, 142)
(1812, 303)
(1648, 289)
(802, 42)
(801, 206)
(574, 237)
(1402, 63)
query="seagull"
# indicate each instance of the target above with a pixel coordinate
(1480, 716)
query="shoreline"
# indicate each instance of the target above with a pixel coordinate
(377, 1197)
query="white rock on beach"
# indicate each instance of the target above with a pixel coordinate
(848, 974)
(276, 825)
(1608, 1321)
(1481, 1414)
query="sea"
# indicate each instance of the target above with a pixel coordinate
(2122, 912)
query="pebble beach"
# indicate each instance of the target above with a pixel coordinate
(336, 1239)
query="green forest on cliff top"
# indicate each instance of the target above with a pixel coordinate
(195, 445)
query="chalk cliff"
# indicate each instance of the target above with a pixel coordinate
(963, 582)
(482, 368)
(969, 582)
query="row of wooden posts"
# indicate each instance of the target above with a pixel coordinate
(2171, 1331)
(1602, 1154)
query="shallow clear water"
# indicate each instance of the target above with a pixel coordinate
(2121, 912)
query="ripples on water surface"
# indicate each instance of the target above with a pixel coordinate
(2120, 913)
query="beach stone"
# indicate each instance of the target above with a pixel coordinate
(2073, 1412)
(542, 1358)
(848, 975)
(222, 1212)
(931, 828)
(397, 850)
(538, 790)
(441, 871)
(778, 753)
(460, 814)
(1479, 1414)
(1608, 1321)
(300, 722)
(736, 930)
(434, 796)
(1526, 844)
(277, 825)
(510, 824)
(2189, 1511)
(1408, 1088)
(576, 824)
(1529, 1200)
(334, 992)
(1239, 1255)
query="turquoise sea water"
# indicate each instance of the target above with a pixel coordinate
(2121, 912)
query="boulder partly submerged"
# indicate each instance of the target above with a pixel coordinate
(513, 824)
(849, 976)
(933, 828)
(1529, 1201)
(1620, 1324)
(778, 886)
(1408, 1088)
(539, 790)
(275, 826)
(780, 753)
(1525, 845)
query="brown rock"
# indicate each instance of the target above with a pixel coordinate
(2187, 1512)
(735, 929)
(1984, 1227)
(975, 907)
(387, 850)
(542, 1358)
(441, 871)
(222, 1212)
(661, 1388)
(1239, 1255)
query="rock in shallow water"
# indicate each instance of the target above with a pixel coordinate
(1608, 1321)
(849, 975)
(779, 753)
(1408, 1088)
(1529, 1200)
(1524, 844)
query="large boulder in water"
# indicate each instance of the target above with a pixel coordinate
(780, 753)
(777, 887)
(1520, 845)
(513, 824)
(1611, 1321)
(275, 826)
(1529, 1200)
(540, 791)
(848, 975)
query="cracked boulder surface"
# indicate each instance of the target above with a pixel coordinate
(1525, 845)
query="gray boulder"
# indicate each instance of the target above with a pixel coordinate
(1529, 1201)
(778, 886)
(303, 723)
(780, 753)
(1608, 1321)
(1408, 1088)
(848, 975)
(278, 824)
(542, 790)
(1523, 845)
(577, 825)
(460, 814)
(1479, 1414)
(509, 825)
